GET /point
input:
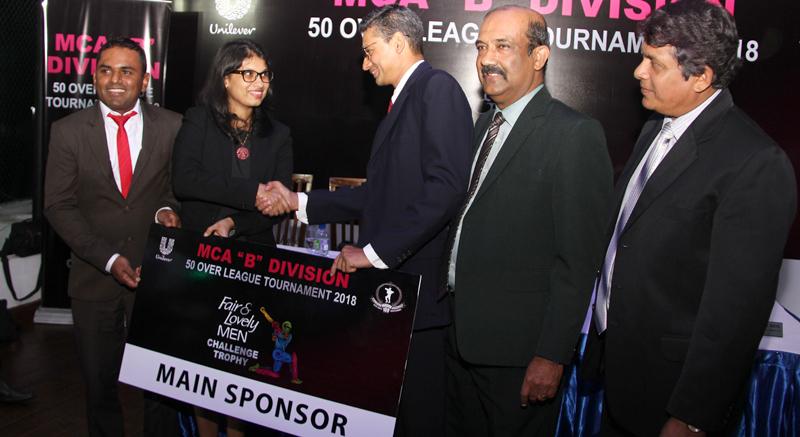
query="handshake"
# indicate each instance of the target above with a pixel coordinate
(273, 199)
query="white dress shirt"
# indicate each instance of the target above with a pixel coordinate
(134, 128)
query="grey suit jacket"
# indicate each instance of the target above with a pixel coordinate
(84, 206)
(531, 240)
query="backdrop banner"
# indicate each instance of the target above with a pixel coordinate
(74, 33)
(333, 107)
(270, 336)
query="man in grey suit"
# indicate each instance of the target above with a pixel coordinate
(527, 241)
(107, 178)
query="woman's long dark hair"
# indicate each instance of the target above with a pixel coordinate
(214, 96)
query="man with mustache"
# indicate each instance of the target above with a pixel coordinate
(417, 175)
(526, 243)
(107, 179)
(701, 215)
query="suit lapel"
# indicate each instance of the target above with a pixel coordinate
(683, 153)
(260, 152)
(149, 139)
(481, 126)
(531, 119)
(98, 144)
(646, 137)
(391, 118)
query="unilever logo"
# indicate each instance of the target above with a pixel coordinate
(165, 249)
(232, 9)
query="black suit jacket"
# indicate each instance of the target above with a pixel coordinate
(530, 242)
(696, 271)
(202, 175)
(416, 179)
(84, 205)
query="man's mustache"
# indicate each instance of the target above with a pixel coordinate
(493, 69)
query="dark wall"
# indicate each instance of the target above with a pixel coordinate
(17, 96)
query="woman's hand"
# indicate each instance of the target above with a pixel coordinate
(221, 228)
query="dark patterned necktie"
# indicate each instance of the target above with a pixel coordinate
(486, 147)
(483, 154)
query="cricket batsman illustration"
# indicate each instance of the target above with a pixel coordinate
(281, 336)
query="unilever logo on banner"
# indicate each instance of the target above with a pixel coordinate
(231, 10)
(165, 248)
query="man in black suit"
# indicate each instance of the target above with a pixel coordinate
(107, 179)
(527, 241)
(416, 179)
(702, 213)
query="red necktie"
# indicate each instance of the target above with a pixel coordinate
(123, 152)
(390, 107)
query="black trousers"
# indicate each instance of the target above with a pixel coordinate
(100, 331)
(485, 401)
(422, 405)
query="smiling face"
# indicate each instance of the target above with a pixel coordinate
(664, 89)
(381, 58)
(243, 96)
(120, 78)
(505, 68)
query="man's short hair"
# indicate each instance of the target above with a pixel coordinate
(393, 18)
(125, 43)
(702, 33)
(537, 30)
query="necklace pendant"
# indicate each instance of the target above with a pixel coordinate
(242, 153)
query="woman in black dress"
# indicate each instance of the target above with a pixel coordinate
(227, 149)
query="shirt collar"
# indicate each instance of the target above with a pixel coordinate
(682, 123)
(404, 79)
(512, 112)
(105, 110)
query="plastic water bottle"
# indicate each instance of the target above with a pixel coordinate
(324, 239)
(317, 239)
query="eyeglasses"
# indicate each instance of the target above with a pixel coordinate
(251, 75)
(367, 51)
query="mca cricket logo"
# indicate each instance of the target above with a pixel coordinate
(388, 298)
(165, 248)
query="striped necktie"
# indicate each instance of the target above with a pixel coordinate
(638, 181)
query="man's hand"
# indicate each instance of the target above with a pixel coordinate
(350, 259)
(122, 271)
(677, 428)
(275, 199)
(168, 218)
(221, 228)
(541, 381)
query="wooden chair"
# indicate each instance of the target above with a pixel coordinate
(291, 232)
(336, 182)
(344, 233)
(301, 183)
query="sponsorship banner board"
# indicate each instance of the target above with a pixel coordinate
(270, 336)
